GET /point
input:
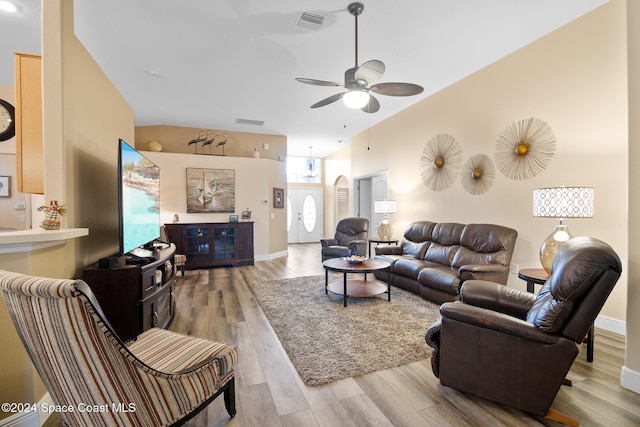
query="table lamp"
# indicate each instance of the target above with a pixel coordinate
(385, 207)
(562, 203)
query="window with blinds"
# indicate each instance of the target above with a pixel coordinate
(342, 202)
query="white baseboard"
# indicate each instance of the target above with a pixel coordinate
(630, 379)
(611, 325)
(29, 419)
(270, 257)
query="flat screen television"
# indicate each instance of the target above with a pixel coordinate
(138, 202)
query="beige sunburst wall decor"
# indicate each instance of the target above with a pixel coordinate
(477, 174)
(440, 161)
(525, 148)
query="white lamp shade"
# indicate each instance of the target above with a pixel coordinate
(355, 98)
(384, 206)
(563, 202)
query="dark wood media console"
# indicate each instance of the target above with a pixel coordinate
(135, 298)
(213, 244)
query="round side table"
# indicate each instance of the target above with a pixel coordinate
(533, 276)
(378, 242)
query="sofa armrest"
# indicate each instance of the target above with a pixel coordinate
(388, 250)
(497, 297)
(489, 272)
(358, 247)
(328, 242)
(492, 320)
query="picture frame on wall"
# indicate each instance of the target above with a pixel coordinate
(5, 186)
(233, 218)
(278, 198)
(211, 190)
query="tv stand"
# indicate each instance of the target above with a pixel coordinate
(213, 244)
(142, 253)
(136, 297)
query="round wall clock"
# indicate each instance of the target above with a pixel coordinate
(7, 120)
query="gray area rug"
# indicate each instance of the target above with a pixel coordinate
(327, 342)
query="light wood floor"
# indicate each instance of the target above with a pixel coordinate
(217, 304)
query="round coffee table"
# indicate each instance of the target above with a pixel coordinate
(353, 287)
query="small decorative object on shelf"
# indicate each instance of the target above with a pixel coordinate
(154, 146)
(246, 215)
(52, 216)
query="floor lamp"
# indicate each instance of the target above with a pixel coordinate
(562, 203)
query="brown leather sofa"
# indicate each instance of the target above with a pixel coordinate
(434, 259)
(515, 347)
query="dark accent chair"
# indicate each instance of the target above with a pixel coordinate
(514, 347)
(350, 239)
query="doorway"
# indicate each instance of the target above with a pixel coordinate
(369, 189)
(304, 215)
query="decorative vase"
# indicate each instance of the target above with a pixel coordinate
(384, 229)
(552, 245)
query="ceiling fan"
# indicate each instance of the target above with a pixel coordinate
(359, 80)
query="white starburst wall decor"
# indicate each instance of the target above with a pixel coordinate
(525, 148)
(440, 161)
(477, 174)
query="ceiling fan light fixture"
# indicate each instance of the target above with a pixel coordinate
(355, 98)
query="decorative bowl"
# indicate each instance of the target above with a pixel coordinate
(354, 259)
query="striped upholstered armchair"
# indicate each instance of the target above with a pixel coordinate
(162, 378)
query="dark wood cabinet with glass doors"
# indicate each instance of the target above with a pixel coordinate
(213, 244)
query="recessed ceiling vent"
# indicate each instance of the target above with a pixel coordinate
(250, 122)
(310, 20)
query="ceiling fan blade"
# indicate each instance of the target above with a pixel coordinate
(329, 100)
(317, 82)
(370, 71)
(372, 106)
(396, 89)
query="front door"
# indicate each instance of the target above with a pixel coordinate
(304, 215)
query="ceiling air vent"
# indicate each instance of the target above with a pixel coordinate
(250, 122)
(310, 20)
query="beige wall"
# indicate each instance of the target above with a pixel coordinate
(335, 166)
(632, 359)
(254, 180)
(174, 139)
(575, 80)
(94, 115)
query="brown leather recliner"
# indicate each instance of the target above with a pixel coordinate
(350, 239)
(514, 347)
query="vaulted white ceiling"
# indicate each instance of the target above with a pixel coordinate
(208, 63)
